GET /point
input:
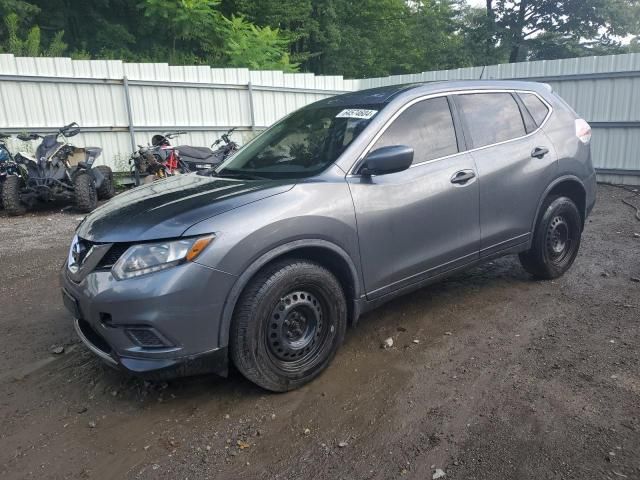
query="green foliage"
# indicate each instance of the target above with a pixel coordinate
(355, 39)
(523, 25)
(256, 47)
(31, 45)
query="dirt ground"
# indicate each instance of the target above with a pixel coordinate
(491, 376)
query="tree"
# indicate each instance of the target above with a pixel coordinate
(344, 37)
(258, 48)
(31, 45)
(292, 18)
(518, 23)
(551, 46)
(196, 22)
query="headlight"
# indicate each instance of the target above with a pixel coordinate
(151, 257)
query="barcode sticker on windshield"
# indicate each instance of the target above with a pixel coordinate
(357, 113)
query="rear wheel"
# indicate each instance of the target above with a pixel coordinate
(11, 195)
(107, 188)
(556, 239)
(85, 192)
(288, 325)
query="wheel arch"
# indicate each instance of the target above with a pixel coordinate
(323, 252)
(569, 186)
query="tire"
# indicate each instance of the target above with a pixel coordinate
(85, 191)
(556, 239)
(11, 196)
(288, 325)
(108, 189)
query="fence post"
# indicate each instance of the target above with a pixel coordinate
(127, 99)
(251, 107)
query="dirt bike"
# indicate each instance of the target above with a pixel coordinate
(8, 165)
(157, 160)
(58, 171)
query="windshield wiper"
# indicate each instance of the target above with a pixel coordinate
(208, 172)
(241, 175)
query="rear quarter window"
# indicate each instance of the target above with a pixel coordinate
(535, 106)
(491, 117)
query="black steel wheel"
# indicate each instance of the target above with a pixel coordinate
(297, 333)
(288, 324)
(556, 239)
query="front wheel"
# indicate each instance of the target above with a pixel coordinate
(11, 189)
(288, 325)
(85, 192)
(556, 239)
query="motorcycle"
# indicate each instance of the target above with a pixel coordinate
(157, 160)
(160, 159)
(202, 158)
(8, 165)
(58, 171)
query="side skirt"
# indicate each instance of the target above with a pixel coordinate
(364, 305)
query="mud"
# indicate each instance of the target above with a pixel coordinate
(510, 379)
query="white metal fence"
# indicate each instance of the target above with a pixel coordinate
(119, 105)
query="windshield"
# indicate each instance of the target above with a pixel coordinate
(302, 144)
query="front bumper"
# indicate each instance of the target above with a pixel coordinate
(215, 361)
(160, 325)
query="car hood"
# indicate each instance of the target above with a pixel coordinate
(165, 209)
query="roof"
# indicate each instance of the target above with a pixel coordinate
(381, 95)
(371, 96)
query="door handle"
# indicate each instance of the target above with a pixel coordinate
(462, 177)
(539, 152)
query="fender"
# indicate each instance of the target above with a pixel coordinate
(247, 275)
(97, 175)
(548, 190)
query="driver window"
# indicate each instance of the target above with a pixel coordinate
(427, 127)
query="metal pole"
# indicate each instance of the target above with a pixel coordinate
(132, 132)
(127, 99)
(251, 107)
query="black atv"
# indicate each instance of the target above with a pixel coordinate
(58, 171)
(8, 165)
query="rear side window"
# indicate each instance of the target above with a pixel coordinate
(426, 126)
(491, 117)
(535, 106)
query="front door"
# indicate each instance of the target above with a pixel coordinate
(422, 221)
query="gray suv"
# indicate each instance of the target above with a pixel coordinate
(337, 208)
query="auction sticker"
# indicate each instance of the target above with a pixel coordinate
(357, 113)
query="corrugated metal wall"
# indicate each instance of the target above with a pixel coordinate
(42, 94)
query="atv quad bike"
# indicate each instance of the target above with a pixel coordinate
(58, 171)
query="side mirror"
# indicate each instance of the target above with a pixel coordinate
(383, 160)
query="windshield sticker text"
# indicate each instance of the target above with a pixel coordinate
(357, 113)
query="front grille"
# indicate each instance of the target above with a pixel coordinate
(112, 256)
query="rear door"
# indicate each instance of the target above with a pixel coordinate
(515, 160)
(416, 223)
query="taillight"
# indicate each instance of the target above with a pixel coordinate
(583, 130)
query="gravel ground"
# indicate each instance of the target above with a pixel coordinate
(491, 376)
